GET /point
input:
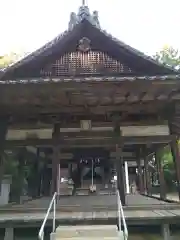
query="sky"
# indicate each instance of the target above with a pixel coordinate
(147, 25)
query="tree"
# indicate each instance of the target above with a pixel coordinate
(169, 56)
(168, 167)
(8, 59)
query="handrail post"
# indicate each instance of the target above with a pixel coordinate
(119, 211)
(121, 215)
(54, 215)
(51, 205)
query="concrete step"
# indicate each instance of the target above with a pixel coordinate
(91, 238)
(88, 231)
(120, 236)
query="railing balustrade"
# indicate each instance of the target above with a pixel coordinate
(121, 217)
(51, 205)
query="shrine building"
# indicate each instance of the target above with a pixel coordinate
(94, 108)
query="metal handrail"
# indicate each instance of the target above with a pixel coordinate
(52, 204)
(121, 216)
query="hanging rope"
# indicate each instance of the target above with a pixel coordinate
(92, 187)
(92, 173)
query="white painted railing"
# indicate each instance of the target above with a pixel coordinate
(121, 217)
(51, 205)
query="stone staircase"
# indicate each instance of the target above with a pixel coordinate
(89, 232)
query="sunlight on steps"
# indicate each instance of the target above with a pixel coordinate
(91, 232)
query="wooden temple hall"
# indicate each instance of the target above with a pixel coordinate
(94, 108)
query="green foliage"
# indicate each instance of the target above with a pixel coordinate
(7, 60)
(167, 157)
(10, 163)
(168, 167)
(18, 174)
(169, 57)
(11, 168)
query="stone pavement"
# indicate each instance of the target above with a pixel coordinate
(86, 203)
(170, 196)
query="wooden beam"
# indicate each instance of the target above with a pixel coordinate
(103, 132)
(44, 121)
(31, 108)
(134, 98)
(56, 92)
(75, 143)
(175, 96)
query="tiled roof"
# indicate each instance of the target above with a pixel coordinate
(84, 16)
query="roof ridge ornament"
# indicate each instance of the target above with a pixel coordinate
(82, 14)
(84, 2)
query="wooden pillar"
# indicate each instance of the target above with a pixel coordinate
(140, 173)
(119, 161)
(3, 131)
(9, 233)
(39, 173)
(120, 174)
(166, 231)
(55, 156)
(34, 179)
(36, 191)
(126, 177)
(147, 176)
(176, 159)
(46, 179)
(144, 178)
(21, 174)
(160, 174)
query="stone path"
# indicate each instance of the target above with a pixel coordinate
(87, 208)
(140, 215)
